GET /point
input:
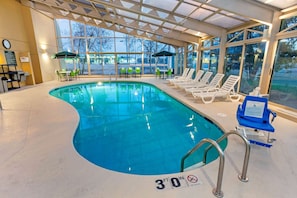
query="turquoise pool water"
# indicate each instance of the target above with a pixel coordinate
(135, 127)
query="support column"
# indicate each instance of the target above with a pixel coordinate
(222, 53)
(269, 57)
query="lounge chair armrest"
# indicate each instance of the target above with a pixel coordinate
(210, 89)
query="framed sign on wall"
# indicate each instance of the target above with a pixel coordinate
(10, 57)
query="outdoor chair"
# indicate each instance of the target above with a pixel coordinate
(254, 118)
(61, 77)
(137, 72)
(158, 73)
(197, 78)
(214, 83)
(72, 75)
(123, 72)
(188, 77)
(226, 91)
(204, 80)
(169, 73)
(130, 71)
(184, 74)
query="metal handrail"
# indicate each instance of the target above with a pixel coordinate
(216, 191)
(241, 177)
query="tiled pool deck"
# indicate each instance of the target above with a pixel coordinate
(38, 159)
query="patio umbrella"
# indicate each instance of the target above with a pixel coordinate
(65, 54)
(163, 53)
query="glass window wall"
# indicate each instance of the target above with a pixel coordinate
(235, 36)
(96, 64)
(283, 88)
(94, 44)
(82, 64)
(256, 31)
(92, 31)
(209, 60)
(63, 28)
(78, 29)
(192, 60)
(289, 24)
(101, 50)
(64, 44)
(232, 61)
(252, 67)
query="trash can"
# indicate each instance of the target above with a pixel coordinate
(3, 85)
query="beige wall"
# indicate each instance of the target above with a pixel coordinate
(31, 34)
(45, 35)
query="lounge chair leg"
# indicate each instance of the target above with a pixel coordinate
(235, 98)
(207, 101)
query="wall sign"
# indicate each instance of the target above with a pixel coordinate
(24, 59)
(176, 182)
(10, 57)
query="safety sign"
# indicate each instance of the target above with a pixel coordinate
(175, 182)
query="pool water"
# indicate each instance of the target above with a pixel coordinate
(136, 128)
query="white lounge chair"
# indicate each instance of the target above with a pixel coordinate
(227, 90)
(202, 81)
(184, 74)
(197, 78)
(214, 83)
(186, 78)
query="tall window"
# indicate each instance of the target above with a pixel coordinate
(283, 88)
(192, 56)
(232, 62)
(192, 60)
(209, 60)
(247, 65)
(252, 67)
(180, 61)
(210, 55)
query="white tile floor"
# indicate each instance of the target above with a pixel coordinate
(37, 158)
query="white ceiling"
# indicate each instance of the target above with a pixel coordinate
(170, 21)
(282, 4)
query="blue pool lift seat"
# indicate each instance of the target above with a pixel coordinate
(253, 115)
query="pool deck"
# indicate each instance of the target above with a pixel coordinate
(38, 159)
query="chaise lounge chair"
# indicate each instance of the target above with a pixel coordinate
(196, 82)
(197, 78)
(184, 74)
(186, 78)
(253, 117)
(214, 83)
(227, 90)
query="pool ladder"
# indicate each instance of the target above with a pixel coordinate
(217, 191)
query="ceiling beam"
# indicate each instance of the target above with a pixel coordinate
(254, 11)
(52, 7)
(188, 23)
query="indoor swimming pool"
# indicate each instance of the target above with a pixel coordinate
(136, 128)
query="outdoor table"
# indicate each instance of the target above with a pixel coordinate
(163, 72)
(65, 73)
